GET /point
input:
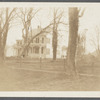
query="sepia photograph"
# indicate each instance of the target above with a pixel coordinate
(49, 47)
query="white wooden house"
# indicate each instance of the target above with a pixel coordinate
(41, 46)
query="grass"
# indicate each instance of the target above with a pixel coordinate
(50, 76)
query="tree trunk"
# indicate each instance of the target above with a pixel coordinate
(54, 38)
(73, 32)
(5, 35)
(1, 57)
(54, 45)
(4, 31)
(26, 33)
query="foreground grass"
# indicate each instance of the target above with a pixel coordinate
(51, 76)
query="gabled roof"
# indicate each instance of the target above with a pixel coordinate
(37, 30)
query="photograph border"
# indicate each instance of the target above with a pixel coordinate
(44, 95)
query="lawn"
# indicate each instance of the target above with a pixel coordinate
(31, 75)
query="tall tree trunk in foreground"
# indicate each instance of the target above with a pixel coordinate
(1, 58)
(73, 32)
(54, 43)
(54, 37)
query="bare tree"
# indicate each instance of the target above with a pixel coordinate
(26, 15)
(96, 40)
(6, 16)
(73, 34)
(81, 43)
(56, 22)
(51, 25)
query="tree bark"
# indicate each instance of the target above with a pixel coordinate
(5, 35)
(54, 44)
(0, 48)
(73, 32)
(3, 39)
(1, 57)
(54, 38)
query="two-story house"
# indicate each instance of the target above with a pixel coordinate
(41, 46)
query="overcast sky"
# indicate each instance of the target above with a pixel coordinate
(89, 21)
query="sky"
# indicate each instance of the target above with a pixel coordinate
(89, 20)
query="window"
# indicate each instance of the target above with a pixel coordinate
(42, 40)
(42, 50)
(37, 40)
(20, 42)
(18, 52)
(37, 50)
